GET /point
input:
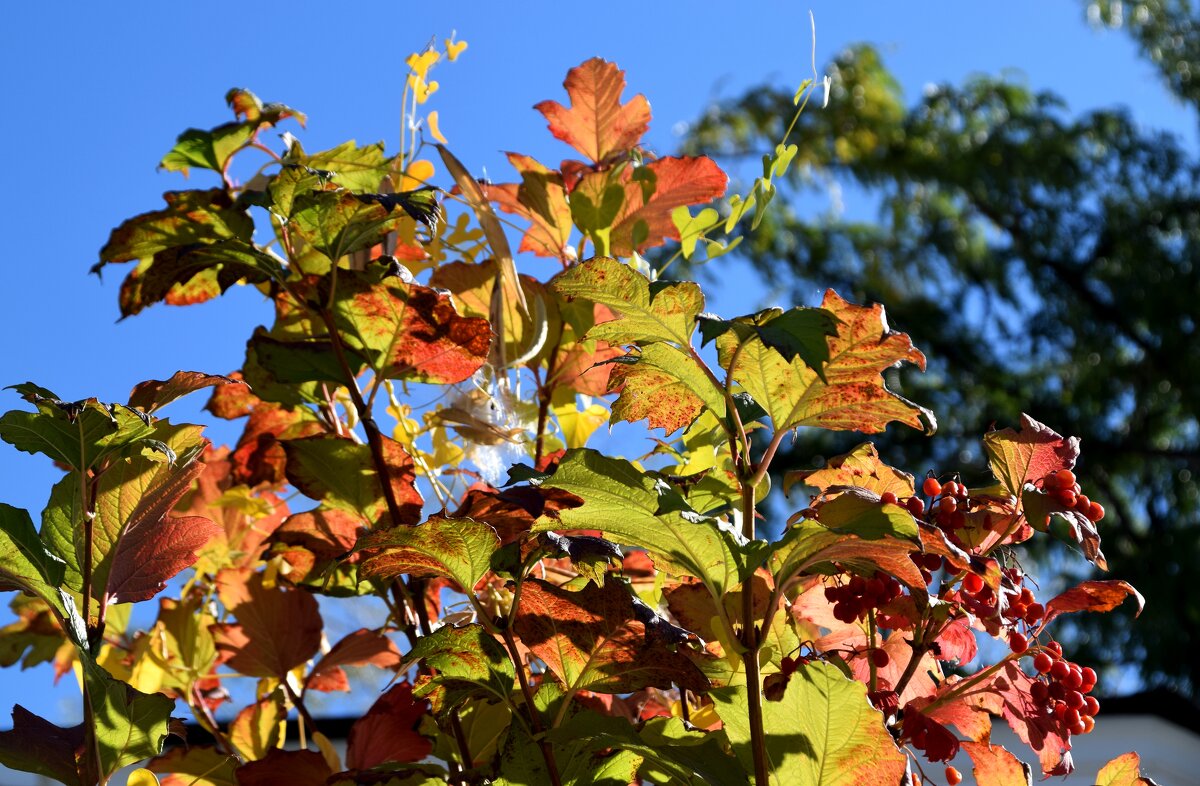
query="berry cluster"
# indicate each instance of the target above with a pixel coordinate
(1064, 693)
(1022, 608)
(857, 597)
(1065, 490)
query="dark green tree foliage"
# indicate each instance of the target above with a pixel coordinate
(1042, 258)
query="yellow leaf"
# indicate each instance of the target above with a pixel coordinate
(142, 777)
(431, 122)
(328, 751)
(256, 729)
(418, 174)
(420, 63)
(453, 50)
(578, 424)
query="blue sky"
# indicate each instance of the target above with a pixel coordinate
(94, 97)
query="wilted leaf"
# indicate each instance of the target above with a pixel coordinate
(1093, 596)
(1028, 455)
(852, 396)
(459, 549)
(821, 733)
(592, 640)
(276, 630)
(151, 395)
(597, 124)
(388, 732)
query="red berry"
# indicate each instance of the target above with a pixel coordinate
(931, 487)
(1064, 479)
(915, 506)
(1055, 648)
(1074, 700)
(1034, 613)
(888, 498)
(1089, 723)
(953, 776)
(1070, 717)
(880, 658)
(1073, 680)
(973, 583)
(1090, 705)
(950, 489)
(1082, 503)
(1079, 728)
(1065, 497)
(947, 505)
(1042, 662)
(1095, 512)
(1060, 670)
(1039, 692)
(1089, 678)
(931, 562)
(1017, 642)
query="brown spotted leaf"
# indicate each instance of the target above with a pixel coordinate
(1028, 455)
(388, 732)
(664, 386)
(860, 467)
(326, 532)
(459, 549)
(666, 311)
(591, 640)
(259, 455)
(597, 124)
(1093, 596)
(408, 331)
(853, 396)
(277, 629)
(995, 766)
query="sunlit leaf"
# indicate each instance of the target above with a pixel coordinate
(276, 630)
(196, 272)
(341, 473)
(210, 149)
(1028, 455)
(822, 732)
(1093, 595)
(459, 549)
(597, 124)
(1124, 770)
(153, 394)
(25, 561)
(860, 467)
(665, 386)
(467, 662)
(541, 199)
(995, 766)
(255, 730)
(195, 765)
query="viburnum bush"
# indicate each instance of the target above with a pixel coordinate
(586, 619)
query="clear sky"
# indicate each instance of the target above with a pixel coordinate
(94, 96)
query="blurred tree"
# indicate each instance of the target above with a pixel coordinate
(1043, 262)
(1168, 34)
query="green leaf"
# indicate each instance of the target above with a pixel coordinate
(467, 661)
(25, 562)
(292, 362)
(616, 769)
(189, 217)
(338, 223)
(459, 549)
(358, 169)
(341, 473)
(175, 270)
(808, 544)
(408, 331)
(665, 386)
(692, 228)
(666, 311)
(823, 732)
(129, 725)
(860, 513)
(634, 508)
(207, 149)
(79, 435)
(850, 395)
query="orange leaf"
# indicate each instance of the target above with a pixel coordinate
(597, 124)
(995, 766)
(860, 467)
(276, 629)
(1093, 596)
(362, 647)
(541, 199)
(1028, 455)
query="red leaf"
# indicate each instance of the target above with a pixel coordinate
(277, 629)
(995, 766)
(359, 648)
(388, 732)
(259, 457)
(597, 124)
(541, 199)
(1094, 596)
(1029, 455)
(957, 642)
(590, 639)
(935, 739)
(148, 555)
(326, 532)
(34, 744)
(676, 182)
(153, 394)
(1040, 730)
(232, 401)
(295, 768)
(512, 511)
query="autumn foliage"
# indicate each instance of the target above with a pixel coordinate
(548, 613)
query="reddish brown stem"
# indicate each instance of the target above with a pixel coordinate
(535, 721)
